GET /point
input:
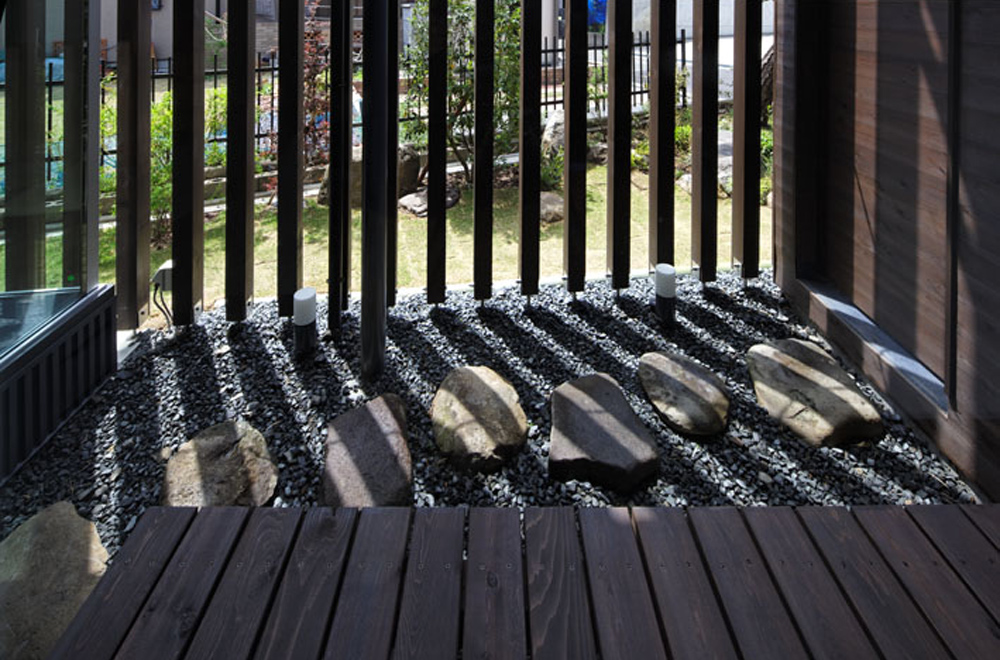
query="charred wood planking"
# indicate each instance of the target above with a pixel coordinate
(188, 162)
(437, 151)
(620, 135)
(530, 157)
(483, 166)
(705, 139)
(341, 152)
(240, 129)
(746, 139)
(575, 159)
(132, 233)
(291, 28)
(662, 95)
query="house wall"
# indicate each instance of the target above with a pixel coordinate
(868, 218)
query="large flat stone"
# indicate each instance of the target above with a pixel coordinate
(798, 383)
(477, 417)
(597, 437)
(689, 397)
(225, 465)
(367, 456)
(48, 567)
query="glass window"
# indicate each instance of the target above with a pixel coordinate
(42, 163)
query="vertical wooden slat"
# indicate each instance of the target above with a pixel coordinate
(530, 145)
(620, 140)
(705, 139)
(575, 158)
(374, 186)
(74, 144)
(25, 146)
(662, 102)
(483, 166)
(240, 128)
(392, 135)
(953, 213)
(341, 152)
(291, 26)
(437, 153)
(132, 203)
(189, 160)
(746, 139)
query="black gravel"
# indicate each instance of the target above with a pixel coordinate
(107, 458)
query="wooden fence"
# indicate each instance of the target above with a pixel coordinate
(381, 60)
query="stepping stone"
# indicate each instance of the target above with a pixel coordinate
(48, 567)
(689, 397)
(225, 465)
(477, 417)
(367, 456)
(798, 383)
(597, 437)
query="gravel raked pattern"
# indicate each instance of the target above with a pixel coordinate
(108, 458)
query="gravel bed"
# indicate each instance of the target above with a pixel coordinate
(107, 459)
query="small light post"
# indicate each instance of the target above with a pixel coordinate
(304, 321)
(666, 294)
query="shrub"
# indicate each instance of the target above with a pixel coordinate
(552, 170)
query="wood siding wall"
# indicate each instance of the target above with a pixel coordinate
(869, 208)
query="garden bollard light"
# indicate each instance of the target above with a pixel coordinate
(666, 294)
(304, 321)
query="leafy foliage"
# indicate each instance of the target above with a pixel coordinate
(461, 78)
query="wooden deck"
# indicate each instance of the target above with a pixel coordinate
(886, 582)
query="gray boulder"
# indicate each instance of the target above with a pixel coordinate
(416, 203)
(367, 457)
(798, 383)
(688, 396)
(225, 465)
(554, 132)
(408, 170)
(477, 417)
(355, 181)
(48, 567)
(597, 437)
(551, 207)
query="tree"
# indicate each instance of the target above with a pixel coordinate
(461, 78)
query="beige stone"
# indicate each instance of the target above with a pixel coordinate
(689, 397)
(48, 567)
(477, 417)
(225, 465)
(798, 383)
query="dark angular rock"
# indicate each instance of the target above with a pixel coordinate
(367, 457)
(690, 398)
(597, 437)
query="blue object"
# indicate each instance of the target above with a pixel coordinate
(598, 11)
(53, 70)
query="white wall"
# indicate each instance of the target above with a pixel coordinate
(685, 16)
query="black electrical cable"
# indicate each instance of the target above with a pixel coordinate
(162, 307)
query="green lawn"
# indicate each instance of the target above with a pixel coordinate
(413, 242)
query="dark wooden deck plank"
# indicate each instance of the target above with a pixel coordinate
(494, 625)
(365, 614)
(828, 624)
(964, 625)
(623, 607)
(987, 518)
(296, 626)
(969, 552)
(429, 613)
(172, 612)
(108, 613)
(760, 623)
(690, 614)
(235, 615)
(883, 605)
(558, 604)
